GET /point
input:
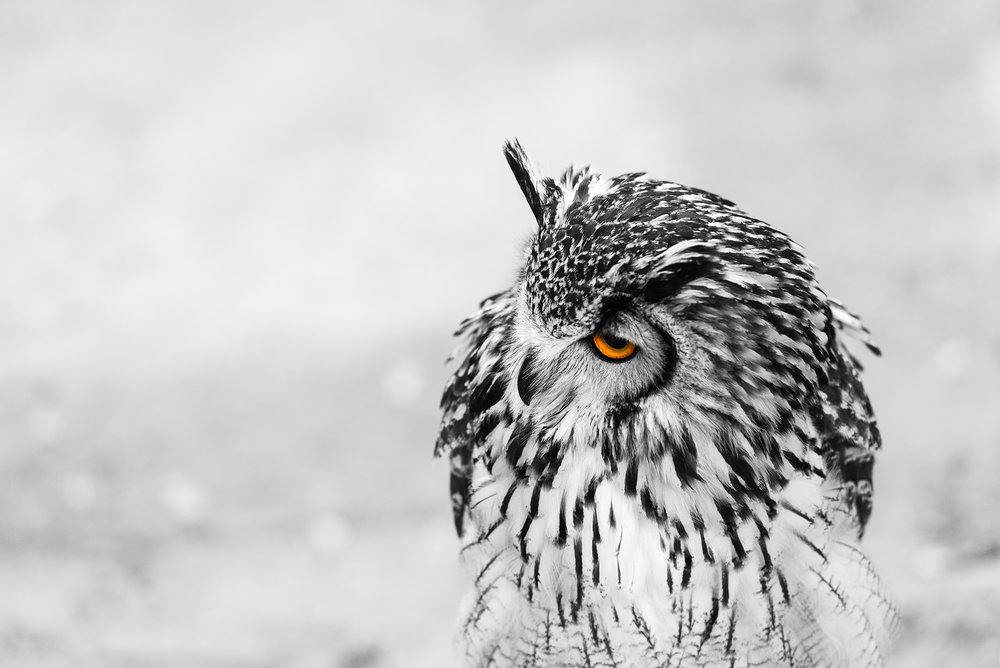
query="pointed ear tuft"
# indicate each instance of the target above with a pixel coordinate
(531, 184)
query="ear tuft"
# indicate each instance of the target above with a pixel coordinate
(531, 185)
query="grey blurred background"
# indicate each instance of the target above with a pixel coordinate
(236, 237)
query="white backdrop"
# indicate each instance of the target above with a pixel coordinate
(235, 238)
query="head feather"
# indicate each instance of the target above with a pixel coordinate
(536, 189)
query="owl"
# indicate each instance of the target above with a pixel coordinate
(661, 448)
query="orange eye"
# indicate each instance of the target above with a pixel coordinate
(613, 348)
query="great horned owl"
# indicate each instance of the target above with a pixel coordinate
(661, 449)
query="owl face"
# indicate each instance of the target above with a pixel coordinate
(628, 356)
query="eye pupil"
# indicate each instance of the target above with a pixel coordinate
(615, 341)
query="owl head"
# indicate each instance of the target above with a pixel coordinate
(646, 300)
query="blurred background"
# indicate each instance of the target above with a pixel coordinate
(235, 238)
